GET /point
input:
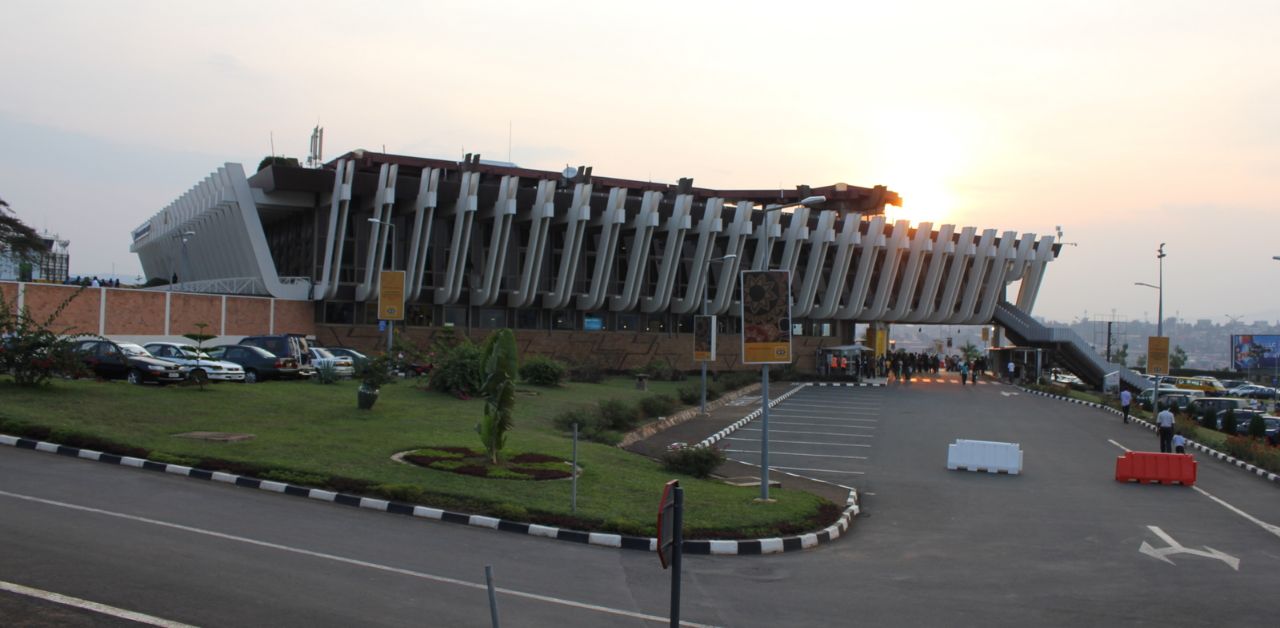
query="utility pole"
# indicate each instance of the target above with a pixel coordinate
(1109, 324)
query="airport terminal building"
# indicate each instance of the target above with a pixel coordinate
(581, 266)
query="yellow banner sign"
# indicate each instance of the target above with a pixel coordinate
(1158, 355)
(391, 295)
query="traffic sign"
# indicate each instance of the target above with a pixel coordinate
(666, 521)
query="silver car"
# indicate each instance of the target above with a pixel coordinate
(195, 363)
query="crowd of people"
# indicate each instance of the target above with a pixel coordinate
(901, 365)
(93, 282)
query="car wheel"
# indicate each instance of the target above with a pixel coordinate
(135, 377)
(250, 376)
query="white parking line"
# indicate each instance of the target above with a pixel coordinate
(851, 427)
(1262, 524)
(833, 406)
(101, 609)
(351, 561)
(801, 442)
(773, 431)
(820, 418)
(787, 453)
(818, 470)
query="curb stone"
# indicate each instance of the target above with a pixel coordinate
(1260, 472)
(648, 544)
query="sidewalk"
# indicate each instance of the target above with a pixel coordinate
(694, 430)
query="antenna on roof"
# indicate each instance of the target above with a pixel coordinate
(316, 157)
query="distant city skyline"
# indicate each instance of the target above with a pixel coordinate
(1127, 124)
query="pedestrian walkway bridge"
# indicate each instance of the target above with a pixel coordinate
(1065, 345)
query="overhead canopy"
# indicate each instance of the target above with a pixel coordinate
(853, 348)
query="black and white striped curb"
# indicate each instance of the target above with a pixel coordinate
(724, 433)
(728, 547)
(1262, 473)
(851, 384)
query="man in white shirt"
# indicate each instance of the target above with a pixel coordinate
(1164, 421)
(1010, 367)
(1126, 398)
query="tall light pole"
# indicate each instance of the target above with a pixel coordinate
(183, 262)
(1155, 390)
(764, 368)
(702, 407)
(390, 236)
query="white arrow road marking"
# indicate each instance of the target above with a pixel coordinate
(1008, 394)
(1177, 548)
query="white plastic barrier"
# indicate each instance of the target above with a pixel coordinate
(985, 455)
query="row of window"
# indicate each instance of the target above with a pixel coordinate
(419, 315)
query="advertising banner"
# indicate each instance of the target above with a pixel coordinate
(1157, 355)
(766, 317)
(391, 295)
(704, 338)
(1252, 351)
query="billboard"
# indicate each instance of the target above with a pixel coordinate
(391, 295)
(1251, 351)
(1158, 355)
(766, 317)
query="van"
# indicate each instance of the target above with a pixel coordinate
(285, 346)
(1209, 385)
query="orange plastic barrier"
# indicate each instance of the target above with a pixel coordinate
(1149, 467)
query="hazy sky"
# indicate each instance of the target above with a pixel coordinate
(1127, 123)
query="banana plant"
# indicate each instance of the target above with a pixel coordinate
(499, 391)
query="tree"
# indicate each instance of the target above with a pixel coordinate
(499, 391)
(970, 351)
(1178, 358)
(1121, 356)
(31, 350)
(199, 338)
(17, 237)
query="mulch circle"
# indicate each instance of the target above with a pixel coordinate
(465, 461)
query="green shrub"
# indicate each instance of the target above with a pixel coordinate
(658, 406)
(407, 493)
(690, 395)
(591, 426)
(542, 371)
(587, 373)
(619, 415)
(1209, 419)
(660, 369)
(1229, 422)
(696, 461)
(325, 374)
(459, 372)
(297, 478)
(1257, 427)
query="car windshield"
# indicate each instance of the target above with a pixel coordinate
(134, 350)
(322, 353)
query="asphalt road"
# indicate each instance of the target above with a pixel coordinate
(1058, 545)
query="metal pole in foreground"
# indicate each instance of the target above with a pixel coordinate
(702, 406)
(677, 551)
(764, 433)
(493, 599)
(573, 499)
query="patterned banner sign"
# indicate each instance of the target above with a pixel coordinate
(704, 338)
(766, 317)
(391, 295)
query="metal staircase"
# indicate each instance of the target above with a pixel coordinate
(1066, 346)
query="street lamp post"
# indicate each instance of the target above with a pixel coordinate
(391, 236)
(183, 262)
(1160, 255)
(764, 368)
(702, 407)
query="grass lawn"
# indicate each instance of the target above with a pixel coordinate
(313, 434)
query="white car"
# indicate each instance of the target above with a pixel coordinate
(342, 365)
(191, 360)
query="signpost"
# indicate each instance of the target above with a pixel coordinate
(766, 339)
(704, 338)
(1158, 355)
(391, 300)
(671, 540)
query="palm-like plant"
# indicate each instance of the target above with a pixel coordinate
(499, 391)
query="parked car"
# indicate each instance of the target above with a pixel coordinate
(358, 359)
(109, 360)
(197, 364)
(1234, 383)
(285, 346)
(258, 363)
(1217, 404)
(1059, 376)
(1243, 417)
(1254, 391)
(342, 365)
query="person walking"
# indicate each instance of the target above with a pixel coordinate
(1126, 399)
(1010, 368)
(1164, 421)
(964, 372)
